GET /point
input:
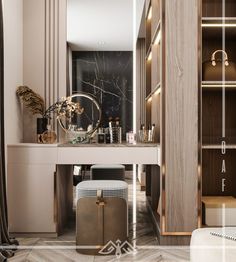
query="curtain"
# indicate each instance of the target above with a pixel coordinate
(4, 236)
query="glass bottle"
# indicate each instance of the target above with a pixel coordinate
(49, 136)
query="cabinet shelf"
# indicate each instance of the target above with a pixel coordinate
(156, 91)
(149, 48)
(148, 53)
(218, 146)
(156, 32)
(218, 107)
(214, 8)
(217, 85)
(218, 20)
(212, 28)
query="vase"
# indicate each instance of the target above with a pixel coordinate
(41, 128)
(49, 136)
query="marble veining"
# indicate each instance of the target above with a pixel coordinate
(108, 77)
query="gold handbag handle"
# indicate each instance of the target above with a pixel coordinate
(100, 200)
(213, 57)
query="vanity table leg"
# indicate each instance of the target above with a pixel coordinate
(134, 200)
(63, 196)
(30, 199)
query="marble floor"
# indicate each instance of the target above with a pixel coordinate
(61, 249)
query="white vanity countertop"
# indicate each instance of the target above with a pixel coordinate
(33, 153)
(32, 145)
(83, 145)
(110, 145)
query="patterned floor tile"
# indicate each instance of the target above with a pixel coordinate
(141, 234)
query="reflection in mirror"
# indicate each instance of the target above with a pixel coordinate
(100, 56)
(85, 115)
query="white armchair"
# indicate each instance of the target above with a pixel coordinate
(207, 247)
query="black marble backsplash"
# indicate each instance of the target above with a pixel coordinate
(109, 77)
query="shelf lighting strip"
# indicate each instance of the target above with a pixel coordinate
(219, 25)
(215, 146)
(218, 18)
(218, 85)
(158, 38)
(149, 13)
(150, 99)
(156, 92)
(150, 56)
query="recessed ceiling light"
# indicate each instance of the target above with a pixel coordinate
(101, 42)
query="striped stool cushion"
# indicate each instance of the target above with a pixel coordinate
(107, 172)
(110, 188)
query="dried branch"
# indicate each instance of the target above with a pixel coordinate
(31, 100)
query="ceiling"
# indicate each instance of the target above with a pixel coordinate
(140, 19)
(100, 25)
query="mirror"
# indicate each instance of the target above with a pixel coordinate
(86, 117)
(100, 42)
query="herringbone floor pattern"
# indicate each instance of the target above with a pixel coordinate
(141, 234)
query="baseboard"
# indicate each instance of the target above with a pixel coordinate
(166, 240)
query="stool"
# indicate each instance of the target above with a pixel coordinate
(107, 172)
(101, 214)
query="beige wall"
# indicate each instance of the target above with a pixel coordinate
(44, 54)
(34, 32)
(13, 67)
(33, 58)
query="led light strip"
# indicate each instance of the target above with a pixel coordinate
(220, 85)
(134, 195)
(149, 13)
(218, 25)
(134, 68)
(158, 38)
(150, 99)
(150, 56)
(156, 92)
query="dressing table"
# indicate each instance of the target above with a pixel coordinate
(39, 180)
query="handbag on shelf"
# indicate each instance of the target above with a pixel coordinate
(212, 70)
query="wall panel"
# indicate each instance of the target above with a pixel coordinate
(181, 116)
(44, 54)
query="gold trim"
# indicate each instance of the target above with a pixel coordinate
(55, 215)
(162, 132)
(199, 113)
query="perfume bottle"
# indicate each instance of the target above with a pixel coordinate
(115, 131)
(107, 136)
(101, 136)
(151, 131)
(49, 136)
